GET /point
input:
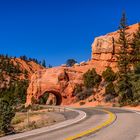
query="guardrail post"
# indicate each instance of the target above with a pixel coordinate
(28, 120)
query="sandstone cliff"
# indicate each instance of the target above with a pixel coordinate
(105, 48)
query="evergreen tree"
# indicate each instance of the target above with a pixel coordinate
(6, 115)
(135, 50)
(109, 77)
(135, 61)
(91, 79)
(124, 85)
(49, 66)
(44, 63)
(70, 62)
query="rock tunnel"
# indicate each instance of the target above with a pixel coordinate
(50, 98)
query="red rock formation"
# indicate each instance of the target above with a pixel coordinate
(25, 70)
(62, 80)
(104, 49)
(30, 66)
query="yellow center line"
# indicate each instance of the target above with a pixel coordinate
(111, 118)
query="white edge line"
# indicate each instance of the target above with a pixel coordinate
(127, 109)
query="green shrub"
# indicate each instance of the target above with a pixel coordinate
(17, 120)
(81, 103)
(84, 94)
(109, 89)
(125, 91)
(109, 75)
(137, 68)
(33, 100)
(43, 99)
(70, 62)
(78, 88)
(135, 103)
(6, 115)
(91, 79)
(109, 97)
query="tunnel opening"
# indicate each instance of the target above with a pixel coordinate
(50, 98)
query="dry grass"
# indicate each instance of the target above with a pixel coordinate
(37, 119)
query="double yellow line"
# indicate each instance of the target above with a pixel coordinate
(111, 118)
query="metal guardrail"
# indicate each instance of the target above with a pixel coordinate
(54, 108)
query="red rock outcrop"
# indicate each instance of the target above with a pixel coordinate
(15, 69)
(29, 66)
(105, 48)
(62, 80)
(59, 80)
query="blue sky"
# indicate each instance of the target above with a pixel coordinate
(56, 30)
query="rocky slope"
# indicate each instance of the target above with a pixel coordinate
(62, 80)
(27, 68)
(15, 75)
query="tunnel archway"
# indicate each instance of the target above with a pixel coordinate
(50, 98)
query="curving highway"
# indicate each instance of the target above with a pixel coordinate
(100, 124)
(125, 127)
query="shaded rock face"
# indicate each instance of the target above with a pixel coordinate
(61, 81)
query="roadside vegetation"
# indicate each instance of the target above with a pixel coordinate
(91, 82)
(27, 118)
(13, 90)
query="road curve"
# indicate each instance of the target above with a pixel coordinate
(94, 118)
(125, 127)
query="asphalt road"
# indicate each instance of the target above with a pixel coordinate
(125, 127)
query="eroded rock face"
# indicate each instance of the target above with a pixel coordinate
(62, 80)
(31, 67)
(105, 48)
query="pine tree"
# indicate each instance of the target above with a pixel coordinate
(124, 85)
(91, 79)
(109, 78)
(135, 53)
(70, 62)
(44, 63)
(135, 61)
(6, 114)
